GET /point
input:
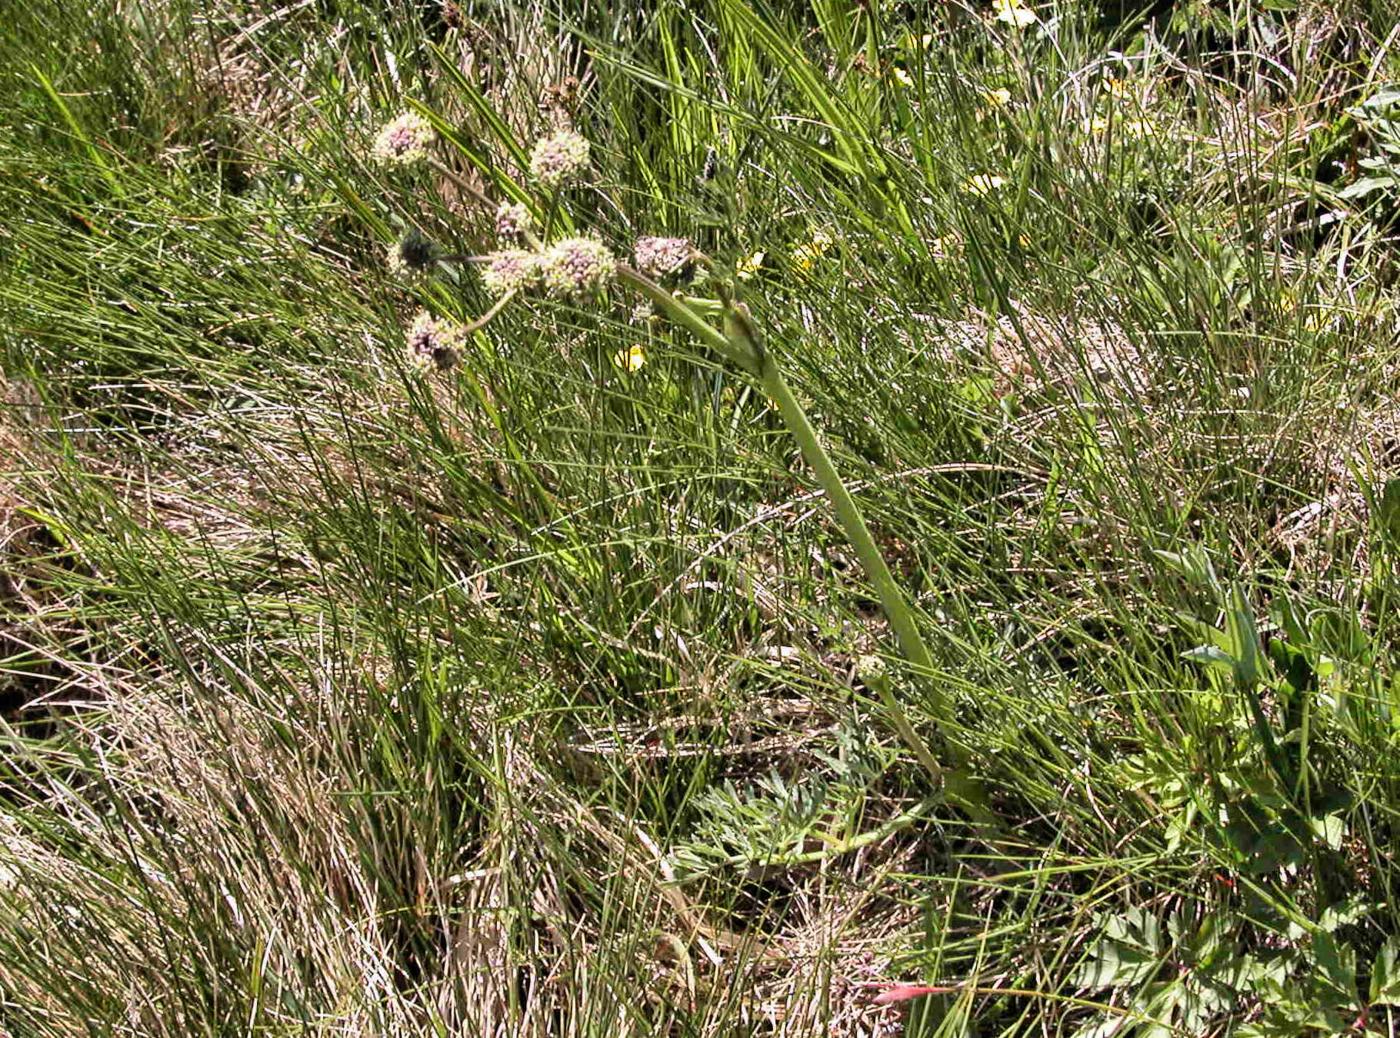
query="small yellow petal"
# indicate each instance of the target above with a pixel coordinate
(807, 254)
(632, 358)
(902, 77)
(984, 184)
(747, 267)
(998, 98)
(1014, 13)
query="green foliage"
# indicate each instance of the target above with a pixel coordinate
(537, 697)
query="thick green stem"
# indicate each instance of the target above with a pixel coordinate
(742, 345)
(848, 514)
(686, 317)
(959, 786)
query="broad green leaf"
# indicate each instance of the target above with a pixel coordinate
(1337, 964)
(1388, 511)
(1210, 656)
(1329, 829)
(1385, 976)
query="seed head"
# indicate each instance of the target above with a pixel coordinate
(661, 257)
(559, 159)
(411, 255)
(433, 343)
(404, 141)
(513, 220)
(578, 267)
(511, 270)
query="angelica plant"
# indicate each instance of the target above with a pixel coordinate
(584, 269)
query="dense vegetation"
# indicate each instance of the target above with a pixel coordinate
(546, 693)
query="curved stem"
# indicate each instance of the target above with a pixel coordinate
(959, 786)
(485, 319)
(741, 344)
(684, 315)
(464, 185)
(467, 187)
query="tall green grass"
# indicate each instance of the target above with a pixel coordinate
(532, 697)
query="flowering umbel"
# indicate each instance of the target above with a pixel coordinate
(513, 220)
(661, 257)
(578, 267)
(433, 343)
(404, 141)
(559, 159)
(511, 270)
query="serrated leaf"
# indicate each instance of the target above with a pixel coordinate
(1129, 953)
(1101, 1028)
(1115, 965)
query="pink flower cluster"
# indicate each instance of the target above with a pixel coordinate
(559, 159)
(661, 257)
(433, 343)
(404, 141)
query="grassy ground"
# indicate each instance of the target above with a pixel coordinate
(540, 696)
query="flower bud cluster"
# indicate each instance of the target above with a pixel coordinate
(663, 257)
(559, 159)
(404, 141)
(433, 343)
(577, 267)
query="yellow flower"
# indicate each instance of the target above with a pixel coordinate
(749, 266)
(1118, 88)
(1098, 125)
(1014, 13)
(632, 358)
(984, 184)
(902, 77)
(945, 246)
(998, 98)
(806, 255)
